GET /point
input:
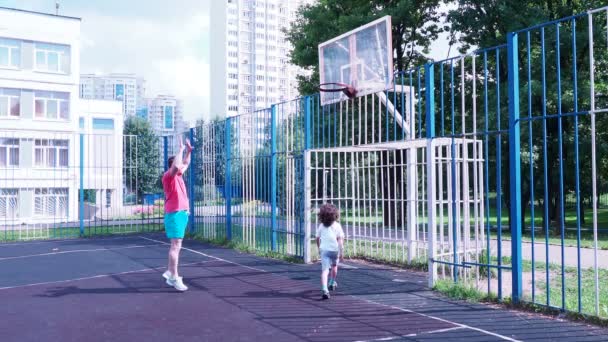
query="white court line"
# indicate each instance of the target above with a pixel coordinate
(506, 338)
(74, 251)
(460, 325)
(207, 255)
(411, 335)
(35, 241)
(96, 276)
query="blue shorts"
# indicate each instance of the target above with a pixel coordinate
(175, 224)
(328, 259)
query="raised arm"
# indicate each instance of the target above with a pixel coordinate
(178, 160)
(186, 161)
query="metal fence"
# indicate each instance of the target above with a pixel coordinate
(487, 168)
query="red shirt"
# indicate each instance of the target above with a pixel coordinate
(176, 197)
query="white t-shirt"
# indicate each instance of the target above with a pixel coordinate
(329, 237)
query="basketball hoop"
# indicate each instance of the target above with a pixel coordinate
(334, 87)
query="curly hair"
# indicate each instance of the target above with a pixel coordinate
(328, 214)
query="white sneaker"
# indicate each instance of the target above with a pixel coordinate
(167, 274)
(177, 283)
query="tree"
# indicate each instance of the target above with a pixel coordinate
(486, 24)
(142, 158)
(415, 26)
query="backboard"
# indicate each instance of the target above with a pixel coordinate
(361, 58)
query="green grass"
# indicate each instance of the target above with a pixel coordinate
(571, 291)
(68, 233)
(462, 291)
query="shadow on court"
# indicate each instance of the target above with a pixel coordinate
(112, 290)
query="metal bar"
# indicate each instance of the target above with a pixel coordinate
(81, 214)
(228, 177)
(545, 173)
(577, 175)
(593, 162)
(429, 72)
(191, 180)
(453, 176)
(166, 152)
(499, 175)
(514, 167)
(273, 175)
(531, 169)
(561, 161)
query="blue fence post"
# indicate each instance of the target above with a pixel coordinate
(166, 152)
(273, 174)
(514, 166)
(228, 180)
(81, 214)
(191, 179)
(307, 122)
(306, 211)
(429, 73)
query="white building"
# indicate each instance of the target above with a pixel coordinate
(101, 123)
(250, 56)
(165, 114)
(40, 131)
(127, 88)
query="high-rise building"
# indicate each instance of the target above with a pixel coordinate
(127, 88)
(165, 114)
(249, 59)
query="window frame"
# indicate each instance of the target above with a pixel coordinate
(45, 196)
(46, 151)
(49, 49)
(9, 145)
(53, 98)
(5, 43)
(6, 195)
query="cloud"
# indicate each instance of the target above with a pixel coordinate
(170, 54)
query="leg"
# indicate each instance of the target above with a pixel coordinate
(334, 272)
(324, 274)
(176, 245)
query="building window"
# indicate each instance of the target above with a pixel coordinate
(233, 43)
(10, 53)
(233, 54)
(260, 88)
(51, 153)
(168, 117)
(107, 124)
(259, 67)
(9, 152)
(52, 58)
(9, 203)
(81, 123)
(233, 97)
(259, 77)
(233, 76)
(108, 198)
(232, 108)
(10, 102)
(51, 202)
(52, 105)
(119, 92)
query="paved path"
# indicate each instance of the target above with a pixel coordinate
(555, 254)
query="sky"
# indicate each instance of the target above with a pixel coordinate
(166, 43)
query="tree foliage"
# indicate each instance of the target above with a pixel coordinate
(415, 26)
(142, 159)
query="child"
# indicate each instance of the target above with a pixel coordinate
(330, 241)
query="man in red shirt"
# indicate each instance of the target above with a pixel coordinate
(177, 209)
